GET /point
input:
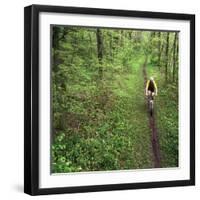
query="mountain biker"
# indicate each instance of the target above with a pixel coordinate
(151, 87)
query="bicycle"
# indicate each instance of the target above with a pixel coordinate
(150, 98)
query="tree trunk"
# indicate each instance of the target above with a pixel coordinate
(159, 49)
(100, 51)
(111, 46)
(151, 42)
(121, 38)
(58, 34)
(130, 35)
(177, 54)
(166, 56)
(174, 56)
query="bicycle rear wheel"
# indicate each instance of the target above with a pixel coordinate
(151, 107)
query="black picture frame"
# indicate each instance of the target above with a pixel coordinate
(31, 98)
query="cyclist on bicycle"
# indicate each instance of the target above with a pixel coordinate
(151, 87)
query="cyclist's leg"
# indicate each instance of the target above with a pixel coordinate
(150, 101)
(149, 92)
(152, 94)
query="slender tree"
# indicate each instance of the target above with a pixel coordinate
(110, 45)
(122, 35)
(166, 56)
(174, 56)
(159, 49)
(177, 51)
(100, 51)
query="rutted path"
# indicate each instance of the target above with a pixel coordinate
(152, 125)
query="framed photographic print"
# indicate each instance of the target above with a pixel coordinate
(109, 99)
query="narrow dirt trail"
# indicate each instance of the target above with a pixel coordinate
(152, 125)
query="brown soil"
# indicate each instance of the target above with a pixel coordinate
(154, 131)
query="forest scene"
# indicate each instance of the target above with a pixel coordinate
(100, 118)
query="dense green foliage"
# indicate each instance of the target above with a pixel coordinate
(100, 120)
(167, 119)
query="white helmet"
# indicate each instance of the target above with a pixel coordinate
(151, 78)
